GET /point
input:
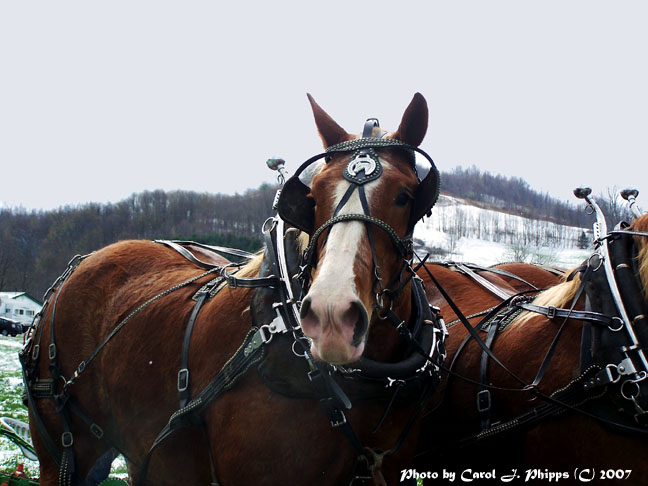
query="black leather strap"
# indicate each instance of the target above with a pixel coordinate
(43, 434)
(484, 402)
(554, 344)
(552, 312)
(471, 330)
(251, 283)
(183, 374)
(186, 253)
(250, 352)
(369, 126)
(217, 249)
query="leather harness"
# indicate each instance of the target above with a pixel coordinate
(419, 369)
(610, 365)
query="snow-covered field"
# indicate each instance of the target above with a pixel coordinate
(11, 389)
(462, 232)
(11, 402)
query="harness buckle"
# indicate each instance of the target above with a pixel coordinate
(277, 325)
(551, 312)
(604, 377)
(232, 281)
(67, 439)
(340, 420)
(610, 375)
(96, 431)
(483, 401)
(313, 375)
(52, 351)
(183, 379)
(335, 415)
(36, 352)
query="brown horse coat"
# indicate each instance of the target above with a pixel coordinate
(256, 436)
(560, 443)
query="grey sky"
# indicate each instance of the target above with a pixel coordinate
(102, 99)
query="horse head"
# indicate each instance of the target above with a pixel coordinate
(360, 210)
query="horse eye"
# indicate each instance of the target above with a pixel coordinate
(402, 199)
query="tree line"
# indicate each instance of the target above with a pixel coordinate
(35, 246)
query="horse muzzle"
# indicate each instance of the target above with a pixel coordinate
(337, 327)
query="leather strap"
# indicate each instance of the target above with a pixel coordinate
(183, 373)
(369, 126)
(552, 312)
(471, 330)
(251, 283)
(554, 344)
(186, 253)
(484, 396)
(250, 352)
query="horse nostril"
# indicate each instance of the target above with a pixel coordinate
(305, 307)
(358, 313)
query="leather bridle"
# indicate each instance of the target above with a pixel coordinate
(363, 166)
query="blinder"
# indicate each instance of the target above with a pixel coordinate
(298, 209)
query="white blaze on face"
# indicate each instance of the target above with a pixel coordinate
(336, 278)
(333, 315)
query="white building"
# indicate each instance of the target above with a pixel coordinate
(18, 306)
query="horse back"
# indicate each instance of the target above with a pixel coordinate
(131, 382)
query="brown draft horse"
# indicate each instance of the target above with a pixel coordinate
(251, 433)
(567, 441)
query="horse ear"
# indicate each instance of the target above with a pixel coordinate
(414, 124)
(330, 132)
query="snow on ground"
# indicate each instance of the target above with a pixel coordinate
(460, 231)
(11, 388)
(490, 253)
(11, 402)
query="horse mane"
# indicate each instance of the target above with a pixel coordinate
(641, 224)
(558, 296)
(563, 293)
(252, 268)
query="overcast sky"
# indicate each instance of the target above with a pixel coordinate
(99, 100)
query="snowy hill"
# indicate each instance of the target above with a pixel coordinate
(459, 230)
